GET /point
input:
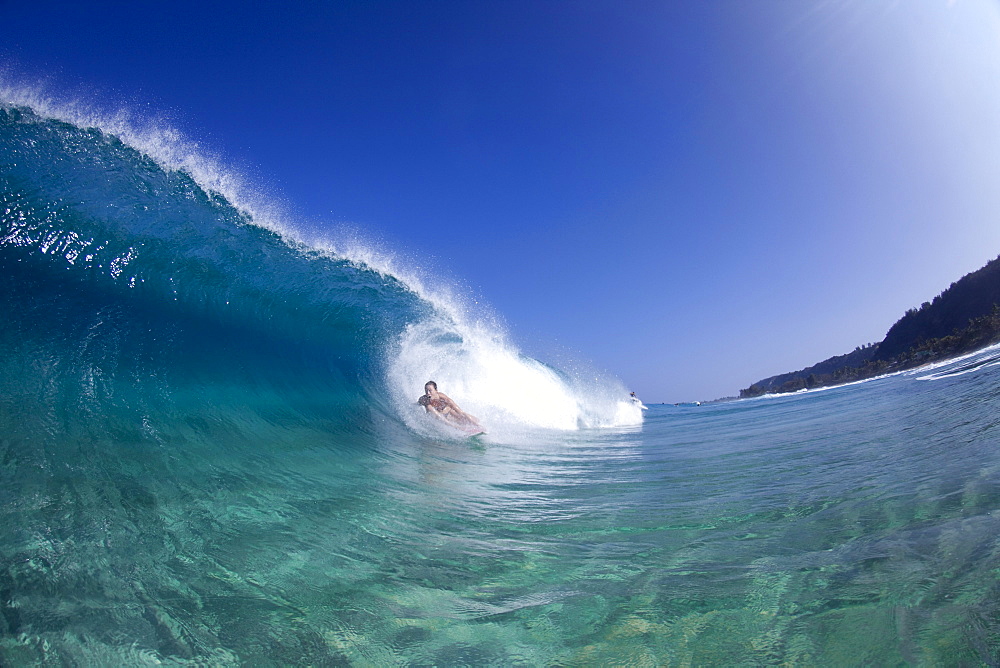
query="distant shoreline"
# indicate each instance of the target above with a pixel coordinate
(963, 319)
(980, 334)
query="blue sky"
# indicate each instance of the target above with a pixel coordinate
(689, 195)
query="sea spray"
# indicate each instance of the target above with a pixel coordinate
(506, 390)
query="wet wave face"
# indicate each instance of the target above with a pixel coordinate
(208, 430)
(136, 280)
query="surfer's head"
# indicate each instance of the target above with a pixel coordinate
(429, 384)
(423, 400)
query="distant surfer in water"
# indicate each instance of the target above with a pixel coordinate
(444, 408)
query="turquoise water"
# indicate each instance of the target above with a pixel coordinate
(209, 455)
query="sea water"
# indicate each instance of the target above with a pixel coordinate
(210, 454)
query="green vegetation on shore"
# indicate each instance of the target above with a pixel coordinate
(962, 319)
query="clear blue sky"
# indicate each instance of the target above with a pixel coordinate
(689, 195)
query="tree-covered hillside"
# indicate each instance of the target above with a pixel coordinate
(963, 318)
(973, 296)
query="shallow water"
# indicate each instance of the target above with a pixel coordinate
(849, 526)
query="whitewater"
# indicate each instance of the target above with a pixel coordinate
(211, 454)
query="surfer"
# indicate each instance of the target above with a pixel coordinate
(443, 407)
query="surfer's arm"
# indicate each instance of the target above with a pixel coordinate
(439, 414)
(458, 412)
(449, 402)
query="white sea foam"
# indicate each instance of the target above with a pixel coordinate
(488, 376)
(959, 366)
(461, 346)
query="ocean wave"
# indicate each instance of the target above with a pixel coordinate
(152, 274)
